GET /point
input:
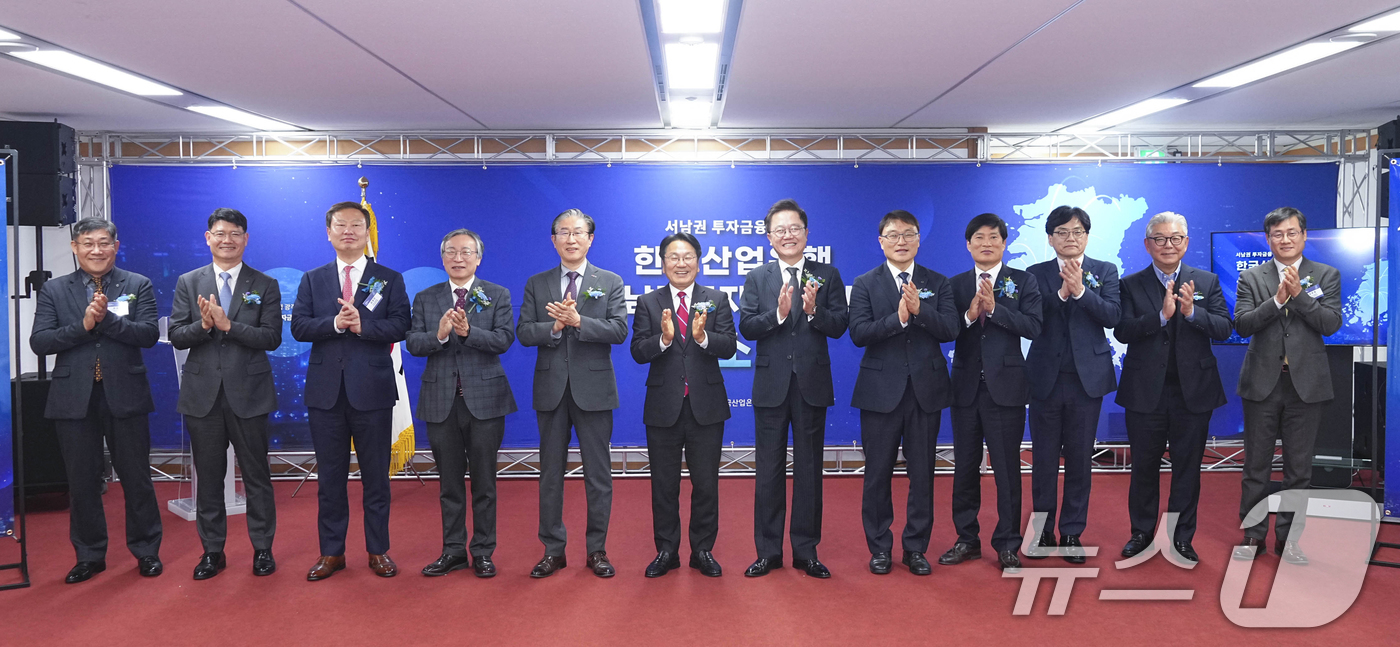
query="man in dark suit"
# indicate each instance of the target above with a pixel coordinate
(228, 315)
(999, 307)
(574, 314)
(683, 329)
(1170, 384)
(1070, 368)
(791, 387)
(462, 326)
(900, 312)
(1285, 307)
(352, 311)
(96, 320)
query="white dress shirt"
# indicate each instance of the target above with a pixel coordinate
(898, 283)
(357, 270)
(232, 281)
(690, 310)
(452, 285)
(787, 278)
(977, 280)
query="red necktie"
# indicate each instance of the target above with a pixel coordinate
(683, 315)
(347, 289)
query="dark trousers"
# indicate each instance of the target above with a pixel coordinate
(129, 440)
(701, 444)
(331, 432)
(458, 442)
(594, 429)
(1150, 434)
(1063, 424)
(770, 486)
(210, 437)
(1280, 415)
(1002, 428)
(881, 435)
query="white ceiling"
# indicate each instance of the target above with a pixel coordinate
(564, 64)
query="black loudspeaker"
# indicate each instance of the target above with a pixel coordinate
(46, 191)
(1366, 393)
(43, 463)
(1332, 467)
(47, 200)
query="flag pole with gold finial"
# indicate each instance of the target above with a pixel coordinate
(401, 452)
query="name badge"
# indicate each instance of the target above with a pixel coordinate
(1315, 292)
(119, 308)
(373, 301)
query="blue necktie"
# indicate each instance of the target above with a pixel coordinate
(226, 292)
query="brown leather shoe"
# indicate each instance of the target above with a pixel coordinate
(383, 566)
(599, 564)
(325, 567)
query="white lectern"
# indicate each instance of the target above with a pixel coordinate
(185, 508)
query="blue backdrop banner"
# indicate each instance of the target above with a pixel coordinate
(162, 212)
(1392, 386)
(7, 465)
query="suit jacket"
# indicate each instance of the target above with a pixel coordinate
(235, 360)
(476, 358)
(683, 361)
(58, 330)
(893, 353)
(1145, 365)
(1298, 335)
(1085, 319)
(580, 357)
(363, 362)
(795, 341)
(997, 344)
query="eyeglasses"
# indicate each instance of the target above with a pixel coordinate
(565, 235)
(1291, 234)
(227, 235)
(795, 230)
(340, 226)
(1161, 241)
(1070, 234)
(895, 238)
(465, 254)
(678, 260)
(102, 245)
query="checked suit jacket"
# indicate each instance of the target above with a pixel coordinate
(475, 359)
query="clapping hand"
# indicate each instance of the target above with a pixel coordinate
(460, 325)
(1186, 298)
(668, 328)
(697, 327)
(1295, 285)
(206, 318)
(348, 318)
(785, 301)
(987, 293)
(910, 299)
(1072, 277)
(216, 313)
(95, 311)
(564, 313)
(1169, 301)
(809, 297)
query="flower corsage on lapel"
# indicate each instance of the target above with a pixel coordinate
(479, 300)
(1007, 288)
(809, 278)
(1090, 280)
(924, 294)
(126, 297)
(1197, 296)
(593, 293)
(373, 286)
(1307, 282)
(252, 297)
(702, 306)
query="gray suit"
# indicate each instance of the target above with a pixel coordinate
(575, 388)
(464, 399)
(1283, 400)
(226, 392)
(86, 410)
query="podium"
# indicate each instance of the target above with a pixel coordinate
(185, 507)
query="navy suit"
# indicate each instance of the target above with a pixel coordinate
(1169, 387)
(900, 390)
(989, 401)
(350, 394)
(1071, 368)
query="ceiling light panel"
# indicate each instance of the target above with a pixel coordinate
(1135, 111)
(246, 118)
(1276, 64)
(691, 66)
(86, 68)
(1389, 22)
(691, 16)
(691, 114)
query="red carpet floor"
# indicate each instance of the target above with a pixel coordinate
(955, 605)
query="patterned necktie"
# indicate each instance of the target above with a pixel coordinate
(982, 316)
(683, 314)
(571, 292)
(461, 304)
(226, 292)
(347, 289)
(97, 368)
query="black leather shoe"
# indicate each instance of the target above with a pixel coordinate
(483, 567)
(704, 562)
(917, 563)
(150, 566)
(548, 566)
(209, 565)
(1074, 551)
(1138, 543)
(83, 571)
(1008, 561)
(263, 564)
(1289, 552)
(812, 568)
(1249, 549)
(880, 563)
(599, 564)
(1186, 551)
(1043, 546)
(959, 553)
(663, 564)
(446, 564)
(763, 565)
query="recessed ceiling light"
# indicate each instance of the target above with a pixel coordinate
(1280, 62)
(1135, 111)
(691, 67)
(1389, 22)
(246, 118)
(91, 70)
(690, 114)
(5, 35)
(691, 16)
